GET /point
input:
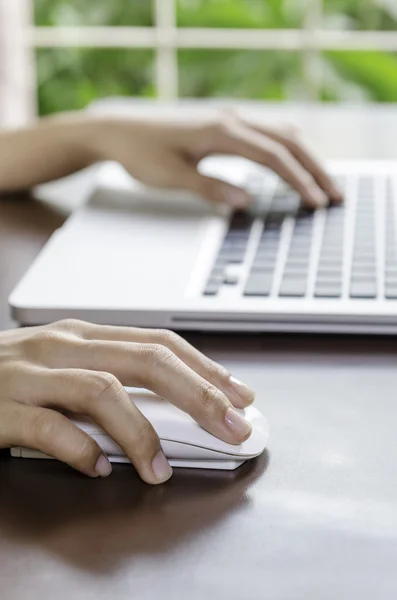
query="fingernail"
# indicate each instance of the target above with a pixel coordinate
(242, 390)
(237, 425)
(161, 467)
(235, 197)
(103, 466)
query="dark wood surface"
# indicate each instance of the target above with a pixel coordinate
(313, 518)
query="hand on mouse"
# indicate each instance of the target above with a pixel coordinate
(82, 367)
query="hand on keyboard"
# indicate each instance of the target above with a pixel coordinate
(81, 367)
(166, 154)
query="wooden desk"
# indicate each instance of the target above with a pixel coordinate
(315, 518)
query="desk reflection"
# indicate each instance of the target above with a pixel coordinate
(97, 524)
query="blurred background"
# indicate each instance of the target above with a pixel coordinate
(62, 54)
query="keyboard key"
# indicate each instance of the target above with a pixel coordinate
(301, 254)
(362, 289)
(273, 225)
(270, 251)
(330, 262)
(329, 273)
(258, 285)
(363, 279)
(328, 290)
(332, 237)
(295, 274)
(364, 245)
(230, 278)
(217, 272)
(270, 235)
(329, 283)
(363, 269)
(296, 262)
(391, 292)
(298, 258)
(212, 287)
(293, 287)
(232, 257)
(256, 269)
(364, 256)
(266, 256)
(263, 266)
(366, 261)
(331, 253)
(237, 244)
(270, 238)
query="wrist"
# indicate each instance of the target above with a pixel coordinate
(78, 135)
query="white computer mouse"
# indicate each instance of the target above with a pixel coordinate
(183, 441)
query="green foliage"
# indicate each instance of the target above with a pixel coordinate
(70, 78)
(361, 14)
(239, 74)
(245, 14)
(97, 12)
(375, 72)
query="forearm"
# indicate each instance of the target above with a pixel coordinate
(46, 150)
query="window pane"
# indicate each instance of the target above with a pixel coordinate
(361, 14)
(360, 75)
(240, 13)
(93, 12)
(71, 78)
(240, 74)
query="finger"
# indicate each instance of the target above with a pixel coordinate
(53, 434)
(103, 398)
(254, 146)
(155, 367)
(292, 141)
(214, 190)
(180, 173)
(238, 393)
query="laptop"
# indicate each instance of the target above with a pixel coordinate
(138, 256)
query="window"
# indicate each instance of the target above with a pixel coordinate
(78, 50)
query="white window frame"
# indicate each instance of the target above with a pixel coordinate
(17, 80)
(19, 38)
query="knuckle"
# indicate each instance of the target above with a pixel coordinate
(105, 385)
(74, 326)
(208, 395)
(168, 338)
(158, 356)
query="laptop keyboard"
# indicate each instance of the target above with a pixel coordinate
(286, 251)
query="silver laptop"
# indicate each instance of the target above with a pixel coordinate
(138, 256)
